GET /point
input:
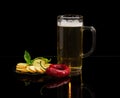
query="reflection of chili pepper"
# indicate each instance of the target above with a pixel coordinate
(58, 83)
(58, 70)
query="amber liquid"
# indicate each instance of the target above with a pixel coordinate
(70, 47)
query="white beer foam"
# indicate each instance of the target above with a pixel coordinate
(70, 23)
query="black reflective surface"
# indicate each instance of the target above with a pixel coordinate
(26, 27)
(99, 80)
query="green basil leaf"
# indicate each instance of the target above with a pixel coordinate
(27, 57)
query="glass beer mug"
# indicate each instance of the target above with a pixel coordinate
(70, 31)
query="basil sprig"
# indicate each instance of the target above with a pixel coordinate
(29, 61)
(27, 57)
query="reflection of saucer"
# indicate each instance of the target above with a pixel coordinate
(32, 78)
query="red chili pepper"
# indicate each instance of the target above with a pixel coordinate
(58, 70)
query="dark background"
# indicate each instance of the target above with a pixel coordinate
(32, 27)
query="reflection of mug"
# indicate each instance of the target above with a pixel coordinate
(75, 89)
(70, 41)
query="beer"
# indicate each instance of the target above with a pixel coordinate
(70, 41)
(70, 45)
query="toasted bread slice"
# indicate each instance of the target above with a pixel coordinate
(31, 69)
(21, 70)
(39, 70)
(21, 65)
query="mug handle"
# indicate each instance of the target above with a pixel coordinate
(93, 30)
